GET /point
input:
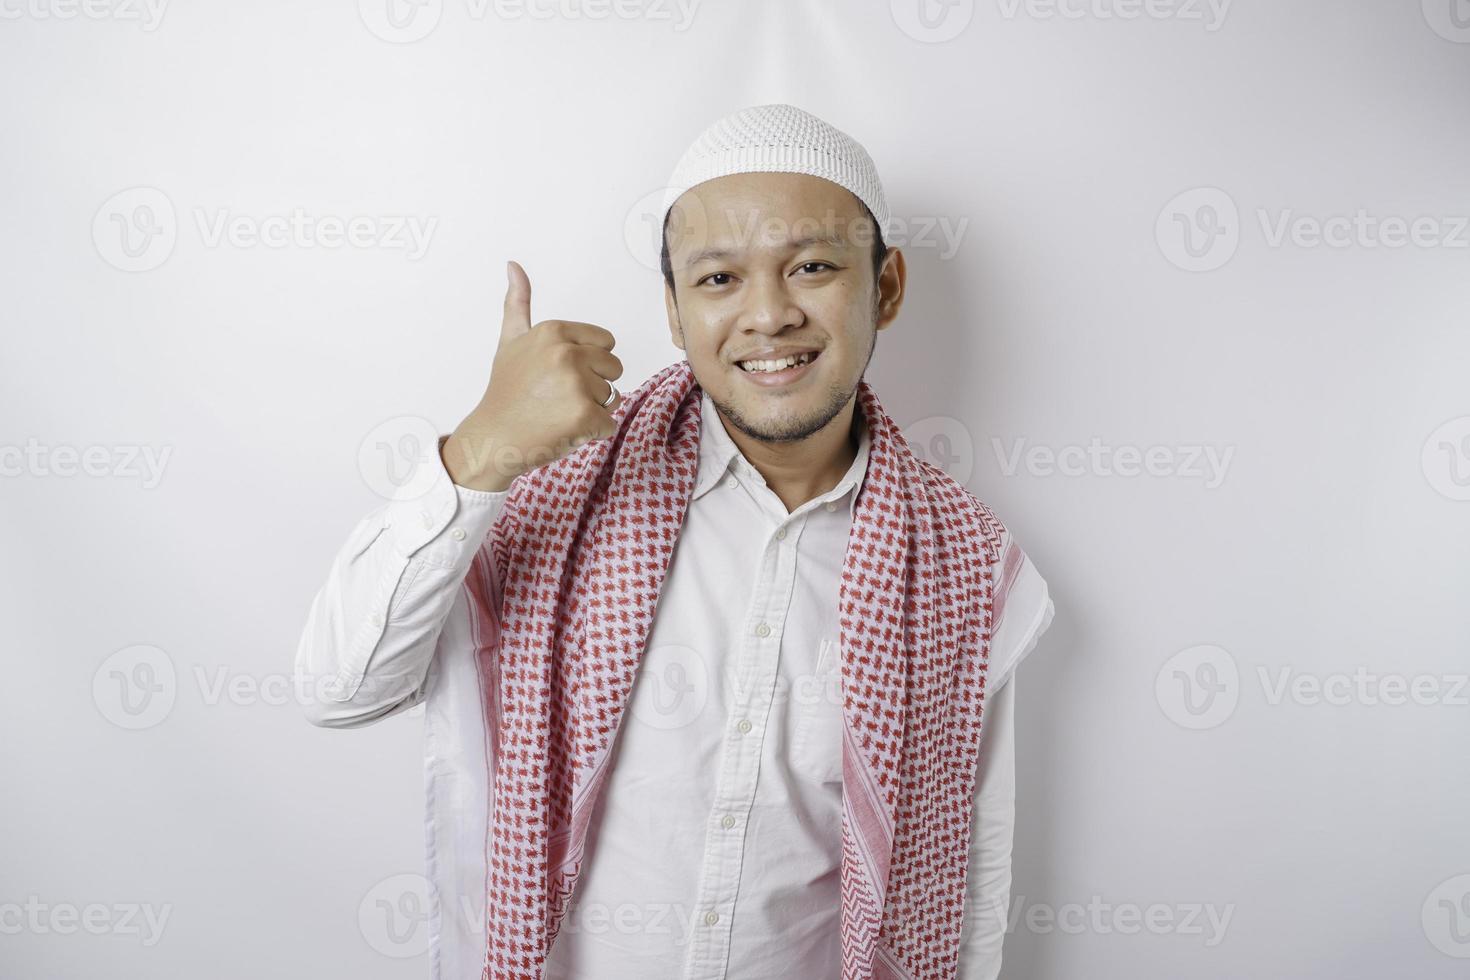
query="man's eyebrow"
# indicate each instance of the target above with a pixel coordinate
(806, 241)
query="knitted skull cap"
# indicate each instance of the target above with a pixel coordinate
(778, 138)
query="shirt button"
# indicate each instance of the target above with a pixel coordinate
(376, 620)
(781, 534)
(727, 821)
(457, 534)
(710, 918)
(830, 506)
(744, 725)
(762, 630)
(732, 483)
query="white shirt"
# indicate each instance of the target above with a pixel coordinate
(714, 851)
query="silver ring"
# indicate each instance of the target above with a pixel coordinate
(611, 394)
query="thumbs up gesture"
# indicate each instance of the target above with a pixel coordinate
(544, 399)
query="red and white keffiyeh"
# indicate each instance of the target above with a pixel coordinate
(581, 547)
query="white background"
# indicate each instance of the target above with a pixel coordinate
(1161, 763)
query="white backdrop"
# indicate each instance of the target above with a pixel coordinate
(1187, 304)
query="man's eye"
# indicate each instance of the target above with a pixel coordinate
(826, 264)
(711, 276)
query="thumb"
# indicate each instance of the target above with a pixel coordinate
(517, 319)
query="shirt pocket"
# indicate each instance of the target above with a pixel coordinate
(816, 699)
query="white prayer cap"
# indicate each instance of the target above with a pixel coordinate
(778, 138)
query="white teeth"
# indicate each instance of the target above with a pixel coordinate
(780, 365)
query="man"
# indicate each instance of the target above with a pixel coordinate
(706, 666)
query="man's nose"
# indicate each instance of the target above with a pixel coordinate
(769, 306)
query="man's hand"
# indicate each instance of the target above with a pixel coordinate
(544, 399)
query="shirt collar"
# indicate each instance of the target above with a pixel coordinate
(718, 454)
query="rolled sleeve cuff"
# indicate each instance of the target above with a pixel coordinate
(445, 524)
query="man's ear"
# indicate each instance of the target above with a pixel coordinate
(892, 280)
(676, 332)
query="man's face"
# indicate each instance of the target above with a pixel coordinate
(782, 261)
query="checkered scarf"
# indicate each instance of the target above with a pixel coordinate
(580, 550)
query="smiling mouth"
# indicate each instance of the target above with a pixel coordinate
(777, 366)
(783, 373)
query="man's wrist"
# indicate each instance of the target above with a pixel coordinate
(469, 461)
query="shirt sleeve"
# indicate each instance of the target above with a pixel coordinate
(992, 829)
(370, 633)
(1022, 606)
